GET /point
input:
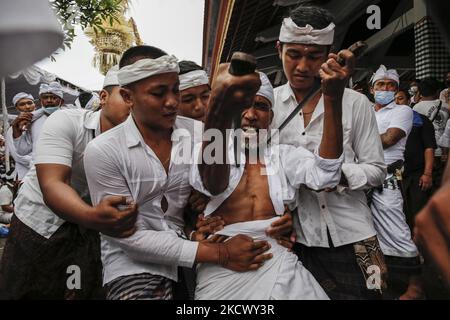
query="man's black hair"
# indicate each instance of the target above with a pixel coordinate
(188, 66)
(140, 52)
(405, 91)
(84, 98)
(429, 87)
(109, 89)
(317, 17)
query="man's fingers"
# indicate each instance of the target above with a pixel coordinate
(327, 70)
(217, 238)
(256, 245)
(279, 230)
(261, 250)
(262, 258)
(115, 200)
(349, 59)
(279, 222)
(285, 243)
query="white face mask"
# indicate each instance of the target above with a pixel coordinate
(384, 97)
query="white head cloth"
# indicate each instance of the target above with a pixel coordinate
(111, 78)
(145, 68)
(291, 33)
(193, 79)
(52, 87)
(384, 73)
(266, 89)
(21, 95)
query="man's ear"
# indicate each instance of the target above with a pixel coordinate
(127, 95)
(271, 116)
(372, 91)
(104, 95)
(280, 49)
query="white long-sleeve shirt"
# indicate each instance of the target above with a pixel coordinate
(23, 163)
(119, 162)
(343, 213)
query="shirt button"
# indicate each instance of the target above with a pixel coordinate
(304, 134)
(323, 207)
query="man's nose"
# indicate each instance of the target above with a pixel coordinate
(250, 114)
(172, 100)
(302, 65)
(199, 105)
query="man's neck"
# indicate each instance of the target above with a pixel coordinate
(153, 135)
(300, 94)
(378, 107)
(105, 124)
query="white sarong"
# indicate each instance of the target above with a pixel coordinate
(281, 278)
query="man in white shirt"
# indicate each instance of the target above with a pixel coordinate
(6, 199)
(24, 102)
(250, 197)
(437, 111)
(52, 227)
(335, 233)
(148, 159)
(394, 124)
(27, 127)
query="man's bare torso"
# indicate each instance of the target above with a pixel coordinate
(250, 200)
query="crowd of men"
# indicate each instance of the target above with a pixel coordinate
(158, 195)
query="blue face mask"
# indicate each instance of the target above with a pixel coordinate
(384, 97)
(49, 110)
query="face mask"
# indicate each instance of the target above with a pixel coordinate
(384, 97)
(49, 110)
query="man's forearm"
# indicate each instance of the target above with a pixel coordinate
(215, 176)
(8, 208)
(65, 202)
(429, 161)
(332, 137)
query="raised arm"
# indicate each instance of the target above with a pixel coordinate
(230, 94)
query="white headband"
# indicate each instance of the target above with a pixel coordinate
(20, 96)
(266, 89)
(145, 68)
(291, 33)
(52, 87)
(193, 79)
(384, 73)
(111, 78)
